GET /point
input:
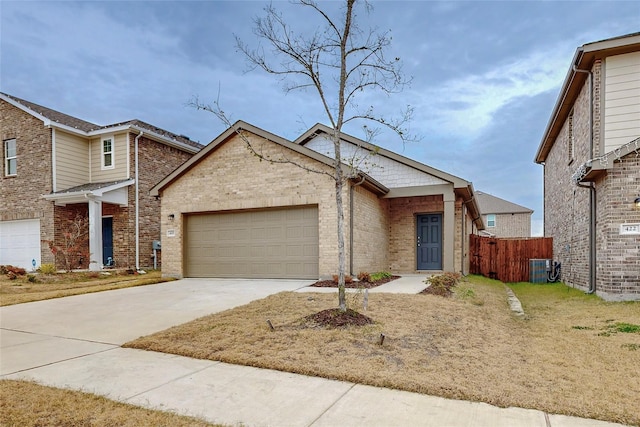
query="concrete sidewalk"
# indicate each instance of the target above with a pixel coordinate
(75, 343)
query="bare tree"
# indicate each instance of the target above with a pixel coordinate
(339, 61)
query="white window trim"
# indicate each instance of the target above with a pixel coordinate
(494, 220)
(7, 158)
(102, 152)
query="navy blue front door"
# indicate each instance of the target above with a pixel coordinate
(429, 242)
(107, 241)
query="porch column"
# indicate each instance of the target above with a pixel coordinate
(95, 235)
(448, 247)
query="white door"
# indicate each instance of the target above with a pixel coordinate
(20, 243)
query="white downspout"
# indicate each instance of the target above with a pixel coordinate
(54, 178)
(137, 203)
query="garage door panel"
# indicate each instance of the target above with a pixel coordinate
(20, 243)
(274, 243)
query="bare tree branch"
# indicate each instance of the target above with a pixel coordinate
(340, 62)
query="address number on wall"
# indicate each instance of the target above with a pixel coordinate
(630, 228)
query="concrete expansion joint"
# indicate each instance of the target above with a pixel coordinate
(514, 302)
(58, 361)
(174, 379)
(332, 405)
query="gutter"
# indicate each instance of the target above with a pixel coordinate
(592, 190)
(137, 203)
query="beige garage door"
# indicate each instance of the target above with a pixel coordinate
(272, 243)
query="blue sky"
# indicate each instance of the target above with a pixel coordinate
(486, 74)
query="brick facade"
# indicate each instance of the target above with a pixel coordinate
(229, 178)
(402, 229)
(370, 232)
(567, 207)
(242, 181)
(20, 194)
(510, 225)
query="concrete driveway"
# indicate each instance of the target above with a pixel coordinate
(44, 332)
(74, 343)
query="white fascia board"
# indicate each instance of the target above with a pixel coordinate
(161, 138)
(115, 193)
(122, 128)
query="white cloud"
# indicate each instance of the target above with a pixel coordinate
(466, 106)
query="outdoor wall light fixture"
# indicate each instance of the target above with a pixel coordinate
(172, 216)
(636, 203)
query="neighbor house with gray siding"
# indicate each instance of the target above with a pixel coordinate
(590, 152)
(56, 168)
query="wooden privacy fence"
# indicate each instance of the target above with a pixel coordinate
(507, 260)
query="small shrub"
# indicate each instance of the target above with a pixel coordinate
(347, 278)
(447, 280)
(442, 284)
(31, 278)
(10, 269)
(48, 268)
(375, 277)
(363, 276)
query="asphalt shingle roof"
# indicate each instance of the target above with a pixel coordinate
(494, 205)
(74, 122)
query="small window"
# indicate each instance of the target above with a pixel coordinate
(571, 138)
(491, 220)
(10, 158)
(107, 153)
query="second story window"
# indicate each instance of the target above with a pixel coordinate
(10, 158)
(491, 220)
(107, 153)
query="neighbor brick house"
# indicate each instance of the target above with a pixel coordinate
(503, 218)
(55, 167)
(247, 217)
(591, 156)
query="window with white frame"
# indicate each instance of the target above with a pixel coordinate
(491, 220)
(10, 157)
(107, 153)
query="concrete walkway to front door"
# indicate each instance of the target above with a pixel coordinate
(74, 343)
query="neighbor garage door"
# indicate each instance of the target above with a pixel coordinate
(272, 243)
(20, 243)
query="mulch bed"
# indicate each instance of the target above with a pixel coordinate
(354, 284)
(334, 318)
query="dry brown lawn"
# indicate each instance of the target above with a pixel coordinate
(568, 356)
(21, 289)
(25, 404)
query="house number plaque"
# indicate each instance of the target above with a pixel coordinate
(630, 228)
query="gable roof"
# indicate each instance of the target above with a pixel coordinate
(490, 204)
(72, 124)
(237, 128)
(583, 59)
(320, 128)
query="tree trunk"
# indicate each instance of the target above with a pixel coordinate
(339, 177)
(342, 301)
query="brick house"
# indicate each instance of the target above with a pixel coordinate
(503, 218)
(590, 151)
(55, 167)
(251, 218)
